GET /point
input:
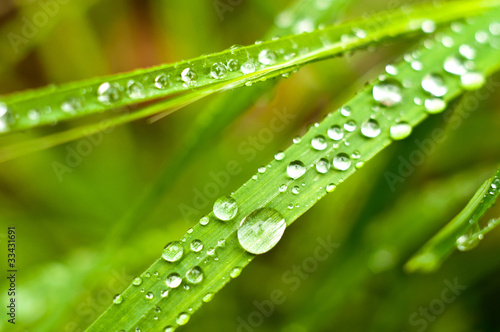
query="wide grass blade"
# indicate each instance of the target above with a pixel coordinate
(423, 84)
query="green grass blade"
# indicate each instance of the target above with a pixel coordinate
(463, 232)
(232, 68)
(384, 111)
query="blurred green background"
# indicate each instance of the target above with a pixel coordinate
(63, 221)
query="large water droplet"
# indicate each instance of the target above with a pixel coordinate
(173, 280)
(225, 208)
(350, 126)
(261, 230)
(135, 90)
(161, 81)
(387, 94)
(322, 166)
(472, 80)
(173, 251)
(196, 245)
(342, 162)
(467, 51)
(370, 128)
(108, 93)
(194, 275)
(434, 84)
(248, 67)
(295, 169)
(455, 65)
(183, 318)
(434, 105)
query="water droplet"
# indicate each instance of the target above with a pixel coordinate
(218, 71)
(322, 166)
(235, 272)
(173, 280)
(225, 208)
(295, 169)
(350, 126)
(296, 140)
(296, 190)
(400, 130)
(169, 329)
(481, 37)
(435, 105)
(108, 93)
(279, 156)
(434, 84)
(183, 318)
(261, 230)
(149, 296)
(204, 221)
(196, 245)
(345, 111)
(164, 293)
(71, 105)
(428, 26)
(161, 81)
(194, 275)
(370, 128)
(467, 242)
(319, 143)
(342, 162)
(388, 94)
(391, 70)
(330, 188)
(117, 299)
(248, 67)
(495, 28)
(416, 65)
(173, 251)
(467, 51)
(472, 80)
(137, 281)
(267, 57)
(455, 65)
(233, 65)
(135, 90)
(208, 297)
(336, 133)
(189, 76)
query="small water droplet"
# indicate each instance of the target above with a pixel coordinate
(135, 90)
(233, 65)
(218, 70)
(400, 130)
(173, 280)
(183, 318)
(117, 299)
(467, 51)
(435, 105)
(108, 93)
(279, 156)
(267, 57)
(345, 111)
(248, 67)
(370, 128)
(330, 188)
(428, 26)
(173, 251)
(204, 221)
(194, 275)
(434, 84)
(164, 293)
(149, 296)
(137, 281)
(235, 272)
(388, 94)
(208, 297)
(472, 80)
(322, 166)
(189, 76)
(391, 70)
(196, 245)
(71, 105)
(225, 208)
(335, 132)
(161, 81)
(456, 65)
(261, 230)
(350, 126)
(295, 169)
(342, 162)
(319, 143)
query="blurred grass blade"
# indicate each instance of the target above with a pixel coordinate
(214, 251)
(463, 232)
(232, 68)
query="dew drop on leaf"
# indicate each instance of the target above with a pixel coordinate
(279, 155)
(183, 318)
(472, 80)
(400, 130)
(196, 245)
(322, 166)
(261, 230)
(319, 143)
(434, 84)
(267, 57)
(370, 128)
(218, 71)
(456, 65)
(135, 90)
(117, 299)
(137, 281)
(350, 126)
(108, 93)
(387, 94)
(336, 133)
(248, 67)
(161, 81)
(295, 169)
(225, 208)
(173, 251)
(189, 76)
(434, 105)
(194, 275)
(341, 162)
(173, 280)
(235, 272)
